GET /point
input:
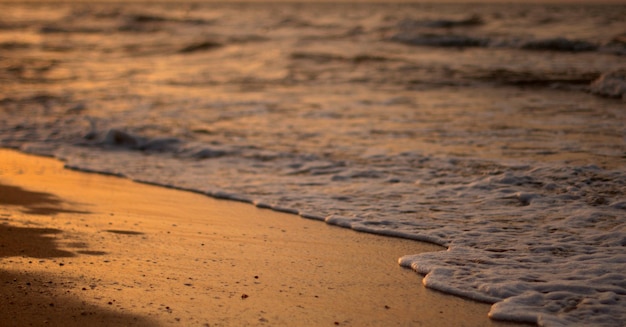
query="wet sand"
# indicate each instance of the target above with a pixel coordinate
(82, 249)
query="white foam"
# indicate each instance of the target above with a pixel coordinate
(509, 240)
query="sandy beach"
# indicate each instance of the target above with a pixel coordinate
(81, 249)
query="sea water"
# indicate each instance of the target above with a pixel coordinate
(496, 130)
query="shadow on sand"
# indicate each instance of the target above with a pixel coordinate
(38, 299)
(41, 300)
(34, 203)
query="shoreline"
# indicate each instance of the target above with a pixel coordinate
(79, 248)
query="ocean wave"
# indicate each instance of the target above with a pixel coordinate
(472, 206)
(143, 18)
(559, 44)
(62, 29)
(506, 190)
(440, 40)
(32, 70)
(200, 46)
(327, 57)
(611, 84)
(471, 21)
(616, 46)
(95, 22)
(536, 78)
(15, 45)
(296, 22)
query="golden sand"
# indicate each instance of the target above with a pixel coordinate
(80, 249)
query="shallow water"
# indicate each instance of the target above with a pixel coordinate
(495, 130)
